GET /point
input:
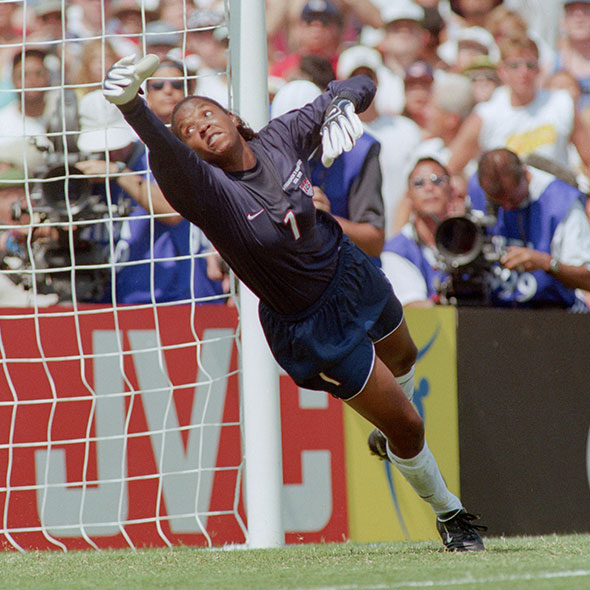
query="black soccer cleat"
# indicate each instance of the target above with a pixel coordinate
(378, 444)
(457, 532)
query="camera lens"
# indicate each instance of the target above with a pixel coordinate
(459, 240)
(66, 188)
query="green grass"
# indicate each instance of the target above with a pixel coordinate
(531, 563)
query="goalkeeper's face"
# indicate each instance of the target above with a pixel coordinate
(210, 131)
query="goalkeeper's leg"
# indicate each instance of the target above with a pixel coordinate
(385, 402)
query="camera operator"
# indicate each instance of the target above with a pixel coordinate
(14, 235)
(545, 230)
(410, 258)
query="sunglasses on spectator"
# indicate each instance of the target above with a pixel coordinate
(159, 84)
(433, 179)
(514, 65)
(481, 76)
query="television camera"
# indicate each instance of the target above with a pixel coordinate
(467, 253)
(67, 260)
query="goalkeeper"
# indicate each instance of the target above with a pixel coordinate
(330, 317)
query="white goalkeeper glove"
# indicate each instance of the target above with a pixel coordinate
(122, 82)
(340, 130)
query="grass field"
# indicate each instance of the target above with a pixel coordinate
(531, 563)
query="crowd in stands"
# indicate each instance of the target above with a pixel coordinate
(457, 80)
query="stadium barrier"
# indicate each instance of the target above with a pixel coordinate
(148, 451)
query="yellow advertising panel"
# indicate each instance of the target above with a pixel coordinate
(381, 505)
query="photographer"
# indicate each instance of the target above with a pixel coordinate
(410, 259)
(543, 226)
(14, 235)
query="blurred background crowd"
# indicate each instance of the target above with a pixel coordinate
(456, 80)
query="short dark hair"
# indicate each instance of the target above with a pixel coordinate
(318, 69)
(185, 72)
(19, 56)
(497, 168)
(243, 128)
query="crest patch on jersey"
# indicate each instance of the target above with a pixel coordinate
(306, 187)
(297, 178)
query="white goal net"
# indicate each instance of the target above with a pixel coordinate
(119, 385)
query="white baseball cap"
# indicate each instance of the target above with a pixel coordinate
(359, 56)
(402, 10)
(293, 95)
(448, 50)
(102, 126)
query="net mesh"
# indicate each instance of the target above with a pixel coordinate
(119, 411)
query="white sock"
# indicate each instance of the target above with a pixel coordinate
(423, 474)
(406, 382)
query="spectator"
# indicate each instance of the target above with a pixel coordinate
(542, 19)
(98, 55)
(410, 259)
(207, 43)
(319, 32)
(484, 79)
(283, 21)
(467, 13)
(542, 223)
(398, 135)
(24, 121)
(504, 23)
(162, 39)
(172, 12)
(8, 37)
(468, 45)
(573, 54)
(418, 80)
(405, 38)
(51, 34)
(127, 25)
(109, 143)
(316, 69)
(450, 103)
(50, 19)
(85, 18)
(434, 25)
(521, 116)
(14, 253)
(390, 89)
(563, 80)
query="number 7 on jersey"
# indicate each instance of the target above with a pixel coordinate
(289, 219)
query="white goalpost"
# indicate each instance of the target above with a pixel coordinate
(146, 423)
(262, 433)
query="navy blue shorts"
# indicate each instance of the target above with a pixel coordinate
(330, 346)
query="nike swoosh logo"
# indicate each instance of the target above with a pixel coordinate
(252, 216)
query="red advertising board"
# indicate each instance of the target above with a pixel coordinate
(116, 428)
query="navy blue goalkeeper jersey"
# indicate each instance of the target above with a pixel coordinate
(262, 221)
